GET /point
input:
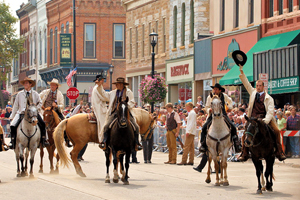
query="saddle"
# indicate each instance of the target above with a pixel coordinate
(92, 118)
(226, 121)
(113, 121)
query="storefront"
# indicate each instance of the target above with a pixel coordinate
(180, 76)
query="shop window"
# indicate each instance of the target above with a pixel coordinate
(175, 27)
(183, 24)
(222, 15)
(185, 92)
(271, 8)
(251, 10)
(192, 25)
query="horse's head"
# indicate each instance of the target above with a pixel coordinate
(31, 114)
(251, 130)
(48, 115)
(123, 113)
(216, 105)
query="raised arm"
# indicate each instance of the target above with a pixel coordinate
(245, 82)
(228, 101)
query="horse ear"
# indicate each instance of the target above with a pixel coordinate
(127, 99)
(120, 99)
(246, 117)
(211, 95)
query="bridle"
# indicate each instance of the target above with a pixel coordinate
(212, 107)
(150, 130)
(28, 116)
(253, 136)
(49, 126)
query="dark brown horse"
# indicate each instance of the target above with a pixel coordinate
(120, 142)
(260, 143)
(51, 120)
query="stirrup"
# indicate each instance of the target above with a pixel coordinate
(102, 146)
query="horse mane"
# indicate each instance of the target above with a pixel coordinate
(215, 97)
(55, 115)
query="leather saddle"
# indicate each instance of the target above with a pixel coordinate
(92, 118)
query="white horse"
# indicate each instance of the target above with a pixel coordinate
(28, 137)
(218, 142)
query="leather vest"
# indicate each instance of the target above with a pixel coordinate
(259, 107)
(171, 122)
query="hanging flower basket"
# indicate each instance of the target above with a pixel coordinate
(153, 89)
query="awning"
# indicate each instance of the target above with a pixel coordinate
(264, 44)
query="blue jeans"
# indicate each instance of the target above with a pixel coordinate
(294, 141)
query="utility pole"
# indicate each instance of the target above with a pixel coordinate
(74, 43)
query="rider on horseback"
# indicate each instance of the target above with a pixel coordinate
(113, 97)
(54, 98)
(218, 90)
(20, 106)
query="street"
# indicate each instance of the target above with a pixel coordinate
(147, 181)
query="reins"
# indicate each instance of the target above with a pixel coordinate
(29, 137)
(150, 129)
(218, 140)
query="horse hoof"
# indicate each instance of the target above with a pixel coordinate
(31, 176)
(258, 192)
(81, 174)
(225, 183)
(217, 184)
(107, 181)
(23, 174)
(19, 175)
(52, 172)
(123, 179)
(116, 180)
(263, 189)
(207, 180)
(270, 189)
(126, 183)
(41, 171)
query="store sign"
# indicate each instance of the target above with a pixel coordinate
(228, 61)
(264, 77)
(207, 84)
(185, 94)
(180, 70)
(65, 49)
(284, 85)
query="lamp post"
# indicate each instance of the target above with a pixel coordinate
(153, 38)
(111, 70)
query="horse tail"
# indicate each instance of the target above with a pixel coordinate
(58, 137)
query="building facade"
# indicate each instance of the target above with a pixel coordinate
(142, 18)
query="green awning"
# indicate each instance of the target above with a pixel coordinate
(264, 44)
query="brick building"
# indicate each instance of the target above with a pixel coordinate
(142, 18)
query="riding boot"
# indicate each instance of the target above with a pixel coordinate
(236, 143)
(203, 147)
(13, 134)
(102, 144)
(68, 144)
(245, 154)
(138, 146)
(42, 127)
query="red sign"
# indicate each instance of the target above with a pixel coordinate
(180, 70)
(264, 77)
(185, 94)
(72, 93)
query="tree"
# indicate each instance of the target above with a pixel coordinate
(10, 45)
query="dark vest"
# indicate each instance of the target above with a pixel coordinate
(259, 107)
(50, 99)
(171, 122)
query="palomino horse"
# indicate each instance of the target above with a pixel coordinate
(51, 120)
(218, 142)
(28, 137)
(80, 131)
(120, 142)
(260, 143)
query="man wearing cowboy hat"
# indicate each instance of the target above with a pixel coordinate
(226, 100)
(113, 97)
(20, 106)
(54, 98)
(99, 103)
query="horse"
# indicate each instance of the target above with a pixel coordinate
(218, 142)
(120, 142)
(80, 131)
(28, 138)
(259, 140)
(51, 120)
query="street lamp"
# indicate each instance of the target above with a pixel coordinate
(111, 70)
(153, 39)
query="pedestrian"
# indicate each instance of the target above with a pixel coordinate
(191, 129)
(173, 128)
(147, 149)
(293, 123)
(7, 116)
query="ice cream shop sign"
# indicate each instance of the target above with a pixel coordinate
(180, 70)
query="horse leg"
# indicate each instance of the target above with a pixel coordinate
(224, 168)
(107, 156)
(42, 156)
(258, 166)
(51, 154)
(269, 173)
(21, 153)
(122, 167)
(208, 180)
(32, 154)
(215, 158)
(74, 154)
(127, 158)
(26, 160)
(115, 161)
(57, 162)
(18, 162)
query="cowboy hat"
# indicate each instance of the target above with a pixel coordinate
(121, 80)
(217, 85)
(239, 57)
(29, 80)
(55, 81)
(99, 77)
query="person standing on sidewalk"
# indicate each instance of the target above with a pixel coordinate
(191, 129)
(173, 128)
(293, 123)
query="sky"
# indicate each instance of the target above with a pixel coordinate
(15, 5)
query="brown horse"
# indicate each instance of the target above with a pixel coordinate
(51, 120)
(80, 131)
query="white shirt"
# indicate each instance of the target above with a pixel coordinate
(191, 126)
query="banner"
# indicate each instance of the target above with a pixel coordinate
(65, 49)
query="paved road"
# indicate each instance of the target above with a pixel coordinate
(147, 181)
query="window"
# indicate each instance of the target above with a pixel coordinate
(236, 18)
(175, 27)
(143, 40)
(67, 27)
(41, 47)
(51, 46)
(34, 46)
(251, 9)
(130, 40)
(222, 16)
(280, 5)
(136, 42)
(156, 46)
(89, 41)
(55, 45)
(45, 45)
(183, 24)
(192, 22)
(31, 50)
(118, 41)
(150, 31)
(164, 36)
(271, 8)
(291, 5)
(62, 28)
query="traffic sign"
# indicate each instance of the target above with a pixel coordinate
(264, 77)
(72, 93)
